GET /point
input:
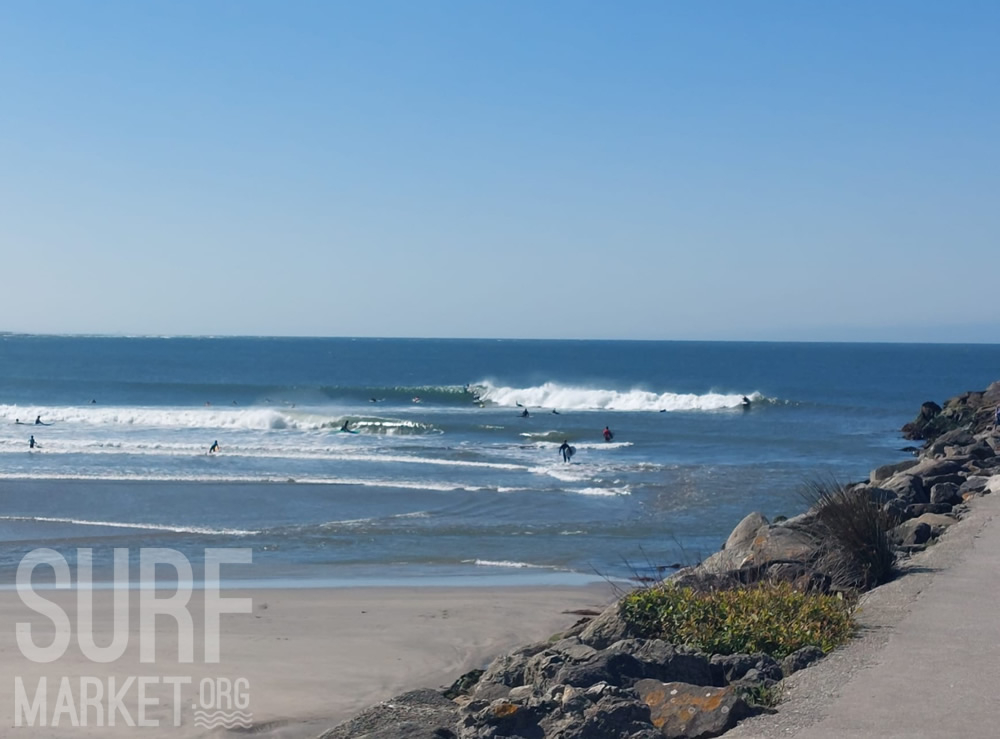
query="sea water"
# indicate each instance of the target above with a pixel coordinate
(443, 478)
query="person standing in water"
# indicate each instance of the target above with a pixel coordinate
(214, 448)
(566, 450)
(608, 436)
(31, 442)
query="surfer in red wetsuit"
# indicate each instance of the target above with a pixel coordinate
(608, 436)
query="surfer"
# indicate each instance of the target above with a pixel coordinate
(372, 400)
(566, 450)
(38, 420)
(608, 435)
(524, 413)
(214, 448)
(745, 403)
(346, 426)
(31, 442)
(555, 411)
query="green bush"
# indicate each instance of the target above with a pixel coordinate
(769, 617)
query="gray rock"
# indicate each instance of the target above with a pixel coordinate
(914, 511)
(667, 662)
(731, 668)
(911, 533)
(606, 629)
(418, 714)
(505, 672)
(691, 711)
(888, 470)
(945, 492)
(745, 531)
(909, 488)
(800, 659)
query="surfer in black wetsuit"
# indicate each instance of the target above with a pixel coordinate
(31, 442)
(566, 450)
(38, 420)
(214, 448)
(347, 423)
(524, 413)
(745, 403)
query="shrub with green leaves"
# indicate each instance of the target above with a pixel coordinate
(768, 617)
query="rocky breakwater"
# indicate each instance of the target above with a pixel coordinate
(614, 676)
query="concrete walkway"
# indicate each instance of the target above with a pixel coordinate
(928, 660)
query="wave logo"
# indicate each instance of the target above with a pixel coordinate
(223, 703)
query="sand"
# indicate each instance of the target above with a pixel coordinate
(311, 657)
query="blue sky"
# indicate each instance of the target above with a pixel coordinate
(653, 170)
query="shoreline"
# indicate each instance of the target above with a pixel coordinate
(313, 657)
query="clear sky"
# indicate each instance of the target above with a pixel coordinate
(654, 170)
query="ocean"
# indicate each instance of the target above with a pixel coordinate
(441, 479)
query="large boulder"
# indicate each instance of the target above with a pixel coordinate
(607, 628)
(888, 470)
(745, 531)
(686, 711)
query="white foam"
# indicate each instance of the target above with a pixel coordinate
(568, 397)
(178, 529)
(506, 563)
(606, 492)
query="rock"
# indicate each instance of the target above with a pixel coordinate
(418, 714)
(464, 684)
(615, 668)
(696, 712)
(913, 511)
(930, 482)
(911, 533)
(953, 438)
(936, 520)
(888, 470)
(731, 668)
(613, 715)
(945, 492)
(745, 532)
(505, 672)
(909, 488)
(784, 543)
(919, 427)
(606, 629)
(666, 662)
(800, 659)
(974, 484)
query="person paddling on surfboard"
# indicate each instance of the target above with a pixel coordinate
(346, 426)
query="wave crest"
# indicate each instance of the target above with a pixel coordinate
(568, 397)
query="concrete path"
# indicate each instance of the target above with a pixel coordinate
(928, 660)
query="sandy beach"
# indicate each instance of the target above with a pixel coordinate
(310, 657)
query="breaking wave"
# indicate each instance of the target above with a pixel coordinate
(565, 397)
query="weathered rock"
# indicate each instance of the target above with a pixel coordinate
(888, 470)
(615, 668)
(945, 492)
(731, 668)
(418, 714)
(800, 659)
(952, 439)
(909, 488)
(745, 531)
(606, 629)
(667, 662)
(505, 672)
(911, 533)
(954, 479)
(613, 715)
(913, 511)
(936, 520)
(974, 484)
(695, 712)
(782, 543)
(919, 427)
